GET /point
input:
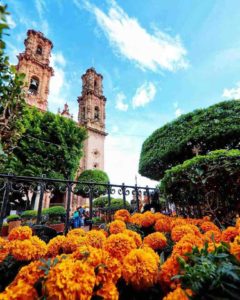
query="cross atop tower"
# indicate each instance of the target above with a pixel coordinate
(34, 63)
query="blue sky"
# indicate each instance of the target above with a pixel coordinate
(159, 59)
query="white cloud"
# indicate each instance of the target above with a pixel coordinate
(178, 112)
(144, 94)
(10, 22)
(233, 93)
(58, 84)
(41, 7)
(153, 51)
(121, 160)
(120, 102)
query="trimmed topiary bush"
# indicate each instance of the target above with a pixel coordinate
(13, 218)
(95, 177)
(210, 183)
(201, 131)
(29, 214)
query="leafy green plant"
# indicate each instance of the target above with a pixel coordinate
(214, 275)
(13, 218)
(95, 177)
(210, 182)
(29, 214)
(198, 132)
(56, 211)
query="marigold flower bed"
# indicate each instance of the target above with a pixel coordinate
(143, 256)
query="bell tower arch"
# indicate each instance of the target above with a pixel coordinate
(34, 63)
(92, 116)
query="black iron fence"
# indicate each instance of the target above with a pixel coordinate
(29, 192)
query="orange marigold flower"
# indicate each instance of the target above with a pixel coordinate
(123, 215)
(152, 252)
(106, 267)
(229, 234)
(179, 231)
(206, 226)
(178, 294)
(31, 249)
(169, 269)
(212, 235)
(3, 249)
(72, 242)
(117, 226)
(140, 269)
(76, 232)
(119, 245)
(55, 246)
(177, 222)
(95, 238)
(186, 244)
(136, 219)
(70, 279)
(163, 225)
(108, 291)
(156, 240)
(31, 273)
(159, 216)
(19, 291)
(136, 236)
(148, 219)
(235, 247)
(20, 233)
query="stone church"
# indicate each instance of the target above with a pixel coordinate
(34, 62)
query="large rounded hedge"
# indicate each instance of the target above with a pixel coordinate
(95, 177)
(203, 130)
(209, 182)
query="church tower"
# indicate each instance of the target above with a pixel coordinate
(34, 63)
(91, 115)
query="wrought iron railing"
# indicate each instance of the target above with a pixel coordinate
(11, 186)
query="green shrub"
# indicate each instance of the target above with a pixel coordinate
(216, 127)
(13, 218)
(94, 176)
(29, 214)
(55, 211)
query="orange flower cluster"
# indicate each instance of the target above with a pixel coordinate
(156, 240)
(179, 294)
(95, 238)
(70, 279)
(123, 215)
(140, 269)
(20, 233)
(117, 226)
(229, 234)
(119, 245)
(30, 249)
(87, 264)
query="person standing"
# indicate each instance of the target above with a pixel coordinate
(76, 219)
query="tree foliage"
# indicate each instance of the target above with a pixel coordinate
(94, 176)
(11, 95)
(50, 144)
(201, 131)
(210, 181)
(115, 203)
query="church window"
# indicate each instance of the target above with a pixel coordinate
(95, 166)
(39, 50)
(33, 87)
(96, 113)
(83, 113)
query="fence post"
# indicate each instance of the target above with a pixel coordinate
(69, 189)
(137, 199)
(90, 206)
(124, 195)
(109, 193)
(42, 187)
(5, 202)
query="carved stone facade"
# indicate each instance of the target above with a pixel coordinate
(92, 116)
(34, 63)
